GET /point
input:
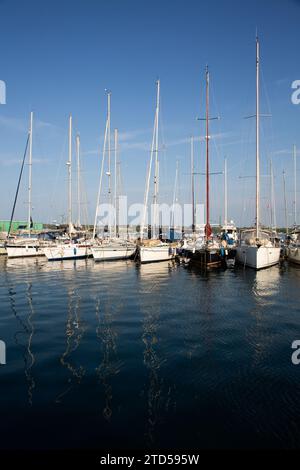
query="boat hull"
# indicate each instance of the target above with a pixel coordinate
(293, 254)
(257, 257)
(206, 258)
(23, 251)
(155, 254)
(67, 252)
(111, 254)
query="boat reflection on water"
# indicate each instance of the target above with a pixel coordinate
(23, 265)
(152, 362)
(153, 278)
(26, 332)
(265, 289)
(110, 266)
(266, 285)
(66, 265)
(74, 333)
(110, 365)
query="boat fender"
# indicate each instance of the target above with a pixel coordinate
(75, 251)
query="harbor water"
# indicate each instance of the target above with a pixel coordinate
(160, 356)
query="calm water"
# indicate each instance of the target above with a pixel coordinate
(158, 356)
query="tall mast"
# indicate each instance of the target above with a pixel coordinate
(193, 184)
(69, 164)
(115, 183)
(109, 158)
(225, 193)
(119, 186)
(273, 202)
(175, 195)
(156, 164)
(154, 149)
(257, 142)
(207, 227)
(295, 185)
(78, 179)
(30, 173)
(285, 204)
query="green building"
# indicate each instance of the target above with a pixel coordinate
(18, 225)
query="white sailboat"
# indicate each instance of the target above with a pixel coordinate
(69, 249)
(26, 245)
(113, 247)
(153, 250)
(113, 250)
(256, 248)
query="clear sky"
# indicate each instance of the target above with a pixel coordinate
(58, 57)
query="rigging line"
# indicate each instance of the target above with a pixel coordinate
(58, 172)
(214, 100)
(83, 191)
(269, 147)
(39, 185)
(18, 187)
(163, 147)
(83, 199)
(246, 149)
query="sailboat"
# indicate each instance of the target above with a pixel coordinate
(69, 248)
(293, 249)
(26, 245)
(208, 255)
(256, 248)
(195, 240)
(153, 249)
(113, 247)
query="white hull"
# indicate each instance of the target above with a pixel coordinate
(111, 253)
(257, 258)
(23, 251)
(61, 252)
(293, 254)
(155, 253)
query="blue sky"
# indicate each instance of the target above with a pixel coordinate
(58, 57)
